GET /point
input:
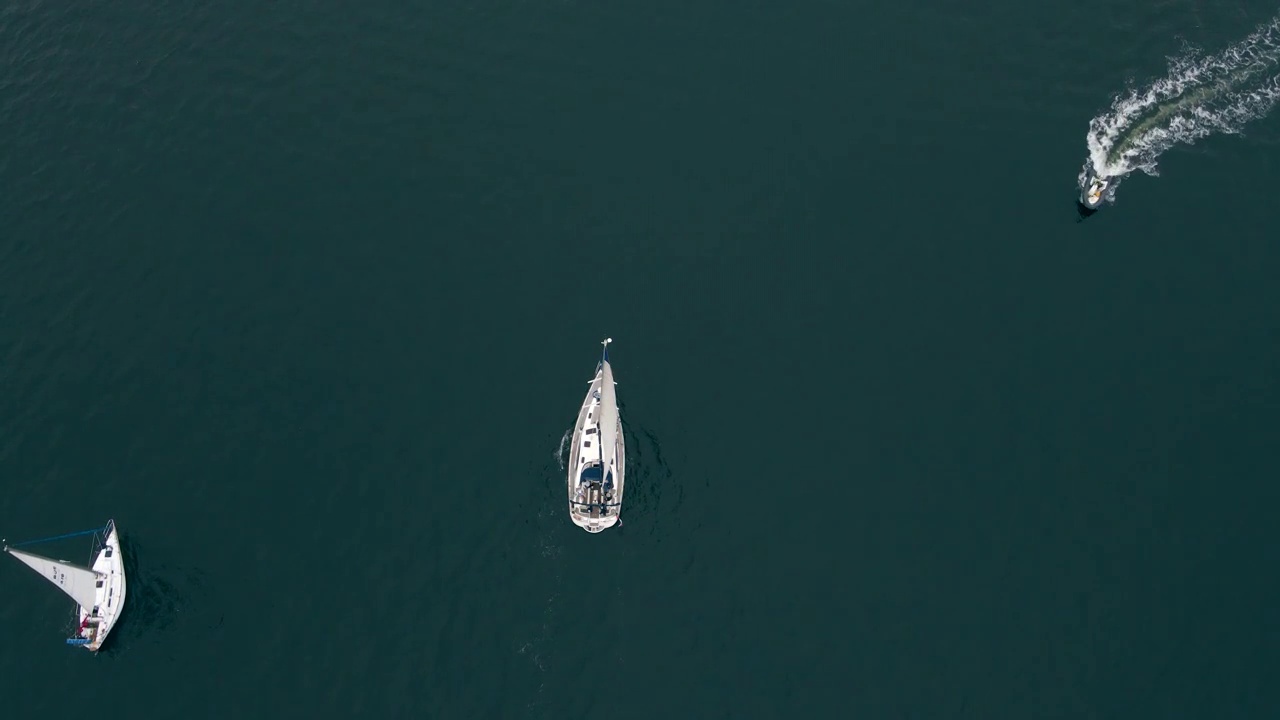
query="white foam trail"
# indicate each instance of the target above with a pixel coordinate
(1201, 95)
(561, 455)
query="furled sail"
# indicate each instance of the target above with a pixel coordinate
(78, 582)
(608, 416)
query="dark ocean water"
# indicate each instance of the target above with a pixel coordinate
(306, 295)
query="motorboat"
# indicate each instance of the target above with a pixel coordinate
(1094, 193)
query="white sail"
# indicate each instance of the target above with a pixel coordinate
(608, 417)
(80, 583)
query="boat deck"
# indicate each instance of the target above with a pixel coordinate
(593, 506)
(97, 622)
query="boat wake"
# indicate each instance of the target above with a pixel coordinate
(1201, 95)
(562, 452)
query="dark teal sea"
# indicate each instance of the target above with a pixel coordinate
(306, 295)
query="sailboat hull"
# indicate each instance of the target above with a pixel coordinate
(596, 474)
(97, 622)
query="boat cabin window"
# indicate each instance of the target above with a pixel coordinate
(590, 431)
(108, 552)
(98, 584)
(586, 444)
(593, 474)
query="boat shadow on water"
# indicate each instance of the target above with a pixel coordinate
(1084, 212)
(650, 494)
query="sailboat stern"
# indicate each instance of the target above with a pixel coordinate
(597, 500)
(601, 525)
(595, 517)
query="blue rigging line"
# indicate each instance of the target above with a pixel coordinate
(59, 537)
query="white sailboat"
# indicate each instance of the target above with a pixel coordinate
(99, 589)
(597, 459)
